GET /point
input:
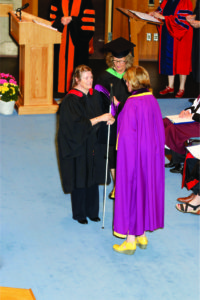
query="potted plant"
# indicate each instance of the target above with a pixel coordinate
(9, 91)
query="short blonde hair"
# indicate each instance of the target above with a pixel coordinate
(138, 77)
(109, 60)
(78, 73)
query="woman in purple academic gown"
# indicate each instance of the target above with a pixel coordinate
(139, 198)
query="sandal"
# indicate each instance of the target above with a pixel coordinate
(184, 208)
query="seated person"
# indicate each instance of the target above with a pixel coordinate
(191, 177)
(177, 134)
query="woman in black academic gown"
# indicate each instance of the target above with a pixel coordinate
(82, 157)
(119, 57)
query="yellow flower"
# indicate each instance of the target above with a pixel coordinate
(12, 90)
(5, 89)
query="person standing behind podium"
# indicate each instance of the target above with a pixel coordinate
(76, 20)
(175, 48)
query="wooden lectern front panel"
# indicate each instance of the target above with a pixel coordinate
(38, 80)
(36, 86)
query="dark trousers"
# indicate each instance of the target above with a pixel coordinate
(193, 172)
(85, 202)
(178, 158)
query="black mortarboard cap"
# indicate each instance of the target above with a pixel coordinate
(119, 47)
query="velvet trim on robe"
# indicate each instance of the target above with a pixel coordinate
(139, 191)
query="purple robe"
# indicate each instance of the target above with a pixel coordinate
(139, 194)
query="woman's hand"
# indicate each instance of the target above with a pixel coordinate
(156, 15)
(66, 20)
(189, 18)
(185, 114)
(108, 118)
(194, 23)
(116, 102)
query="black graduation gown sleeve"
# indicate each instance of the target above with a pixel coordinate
(74, 126)
(56, 14)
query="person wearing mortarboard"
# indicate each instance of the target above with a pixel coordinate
(119, 57)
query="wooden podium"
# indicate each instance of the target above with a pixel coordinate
(135, 26)
(36, 41)
(7, 293)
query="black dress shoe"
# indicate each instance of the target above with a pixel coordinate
(170, 165)
(177, 169)
(97, 219)
(84, 221)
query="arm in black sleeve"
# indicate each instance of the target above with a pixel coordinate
(196, 117)
(56, 14)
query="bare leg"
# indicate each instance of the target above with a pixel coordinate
(182, 82)
(130, 238)
(171, 81)
(195, 201)
(112, 171)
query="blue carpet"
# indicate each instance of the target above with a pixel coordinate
(42, 248)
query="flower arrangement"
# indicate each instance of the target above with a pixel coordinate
(9, 89)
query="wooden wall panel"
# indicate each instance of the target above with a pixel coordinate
(33, 7)
(148, 50)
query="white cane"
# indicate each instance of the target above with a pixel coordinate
(107, 154)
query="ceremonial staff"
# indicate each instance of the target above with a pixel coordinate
(107, 154)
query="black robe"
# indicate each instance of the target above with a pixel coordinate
(82, 158)
(121, 93)
(119, 86)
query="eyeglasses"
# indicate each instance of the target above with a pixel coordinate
(119, 61)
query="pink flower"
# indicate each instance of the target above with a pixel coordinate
(7, 78)
(2, 81)
(12, 81)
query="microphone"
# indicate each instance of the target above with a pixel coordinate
(23, 7)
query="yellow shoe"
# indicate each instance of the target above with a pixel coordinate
(142, 241)
(126, 248)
